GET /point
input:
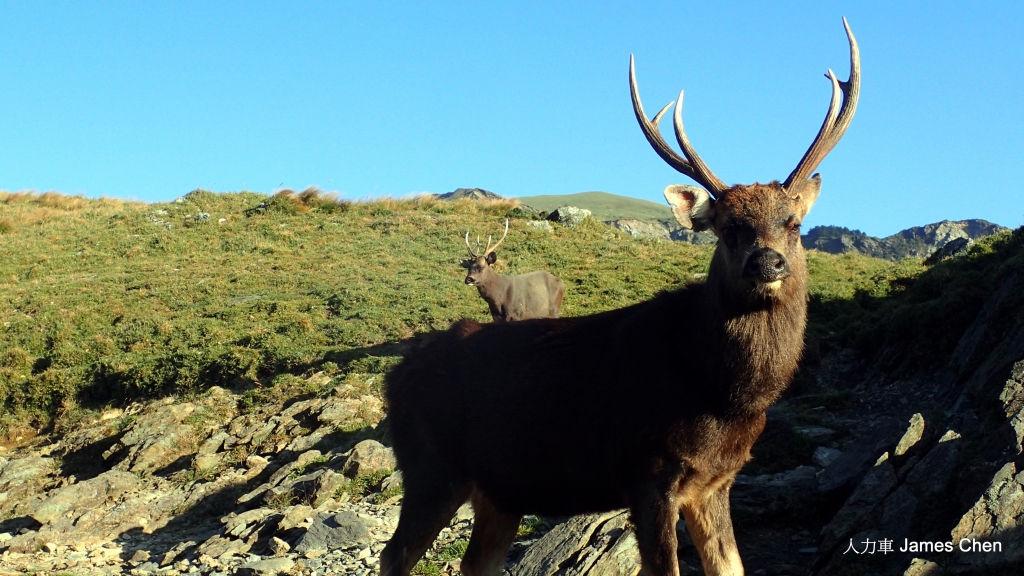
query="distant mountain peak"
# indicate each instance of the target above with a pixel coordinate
(471, 193)
(916, 242)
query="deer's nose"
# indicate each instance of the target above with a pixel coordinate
(766, 265)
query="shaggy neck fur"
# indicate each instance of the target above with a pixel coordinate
(759, 339)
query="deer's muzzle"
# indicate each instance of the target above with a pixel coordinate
(766, 266)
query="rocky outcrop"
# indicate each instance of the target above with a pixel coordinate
(942, 239)
(470, 193)
(591, 544)
(662, 230)
(569, 216)
(953, 477)
(196, 486)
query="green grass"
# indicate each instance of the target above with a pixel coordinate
(103, 301)
(920, 311)
(604, 206)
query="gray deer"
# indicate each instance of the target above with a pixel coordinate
(513, 296)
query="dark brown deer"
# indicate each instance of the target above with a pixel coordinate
(653, 407)
(512, 297)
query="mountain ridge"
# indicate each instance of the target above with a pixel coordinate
(645, 219)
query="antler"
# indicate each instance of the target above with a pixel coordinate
(489, 247)
(836, 122)
(495, 247)
(691, 165)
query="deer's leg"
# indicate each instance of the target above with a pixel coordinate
(493, 532)
(426, 509)
(709, 523)
(655, 515)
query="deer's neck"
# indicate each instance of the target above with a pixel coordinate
(759, 342)
(491, 287)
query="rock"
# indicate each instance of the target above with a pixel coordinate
(234, 524)
(470, 193)
(569, 216)
(268, 567)
(981, 336)
(847, 470)
(921, 567)
(997, 516)
(899, 510)
(82, 496)
(1012, 398)
(277, 546)
(256, 464)
(307, 457)
(823, 456)
(911, 436)
(214, 443)
(21, 479)
(602, 544)
(294, 516)
(954, 247)
(339, 411)
(464, 513)
(543, 225)
(203, 463)
(656, 230)
(367, 457)
(221, 547)
(157, 439)
(334, 530)
(930, 476)
(917, 242)
(305, 443)
(140, 556)
(327, 484)
(394, 481)
(702, 238)
(18, 471)
(858, 509)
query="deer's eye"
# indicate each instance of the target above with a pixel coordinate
(729, 234)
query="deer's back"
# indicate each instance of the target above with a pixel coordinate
(554, 415)
(534, 295)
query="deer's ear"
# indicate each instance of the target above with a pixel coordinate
(692, 206)
(806, 195)
(491, 257)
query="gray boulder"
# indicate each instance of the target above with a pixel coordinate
(334, 530)
(570, 216)
(368, 457)
(592, 544)
(85, 495)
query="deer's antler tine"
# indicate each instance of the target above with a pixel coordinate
(702, 176)
(502, 239)
(707, 177)
(837, 119)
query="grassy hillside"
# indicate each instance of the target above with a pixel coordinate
(605, 206)
(104, 301)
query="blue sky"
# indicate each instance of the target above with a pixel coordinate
(151, 100)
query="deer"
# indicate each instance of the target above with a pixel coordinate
(652, 407)
(512, 297)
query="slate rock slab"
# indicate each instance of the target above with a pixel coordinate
(334, 530)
